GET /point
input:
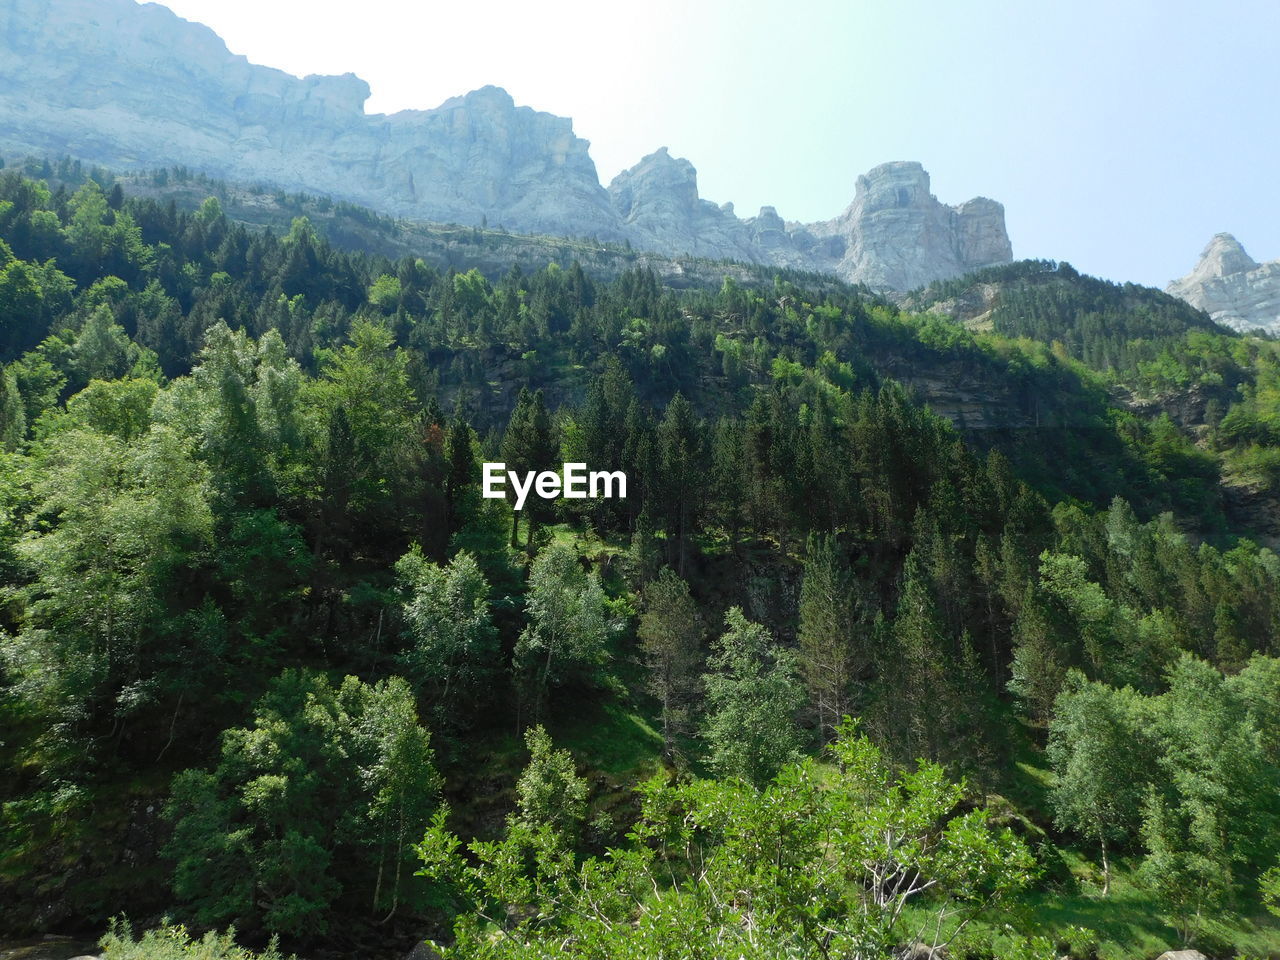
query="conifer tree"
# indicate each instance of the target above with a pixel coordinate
(829, 647)
(670, 634)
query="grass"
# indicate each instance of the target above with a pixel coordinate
(609, 738)
(1128, 923)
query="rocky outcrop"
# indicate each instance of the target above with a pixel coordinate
(133, 87)
(899, 236)
(658, 203)
(1232, 287)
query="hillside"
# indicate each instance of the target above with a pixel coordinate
(272, 660)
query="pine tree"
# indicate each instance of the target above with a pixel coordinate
(460, 482)
(670, 635)
(679, 452)
(830, 655)
(528, 445)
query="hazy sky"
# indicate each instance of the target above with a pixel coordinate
(1119, 135)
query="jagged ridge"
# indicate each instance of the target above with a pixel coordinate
(135, 87)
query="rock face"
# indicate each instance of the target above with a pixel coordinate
(134, 86)
(1232, 287)
(131, 86)
(899, 236)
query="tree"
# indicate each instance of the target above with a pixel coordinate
(104, 637)
(241, 404)
(1039, 664)
(829, 658)
(312, 802)
(814, 864)
(568, 629)
(528, 445)
(1186, 865)
(13, 417)
(1093, 735)
(679, 456)
(118, 407)
(102, 350)
(453, 645)
(460, 491)
(368, 382)
(671, 634)
(1270, 885)
(753, 697)
(1213, 818)
(930, 690)
(549, 792)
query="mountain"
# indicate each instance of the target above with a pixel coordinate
(1232, 287)
(136, 87)
(1106, 325)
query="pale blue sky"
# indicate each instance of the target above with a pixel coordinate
(1119, 136)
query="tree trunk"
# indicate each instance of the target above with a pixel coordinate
(1106, 868)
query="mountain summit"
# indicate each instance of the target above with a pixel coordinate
(1232, 287)
(134, 87)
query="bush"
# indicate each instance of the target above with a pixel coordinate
(170, 942)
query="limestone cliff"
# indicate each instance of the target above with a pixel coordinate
(898, 235)
(132, 87)
(1232, 287)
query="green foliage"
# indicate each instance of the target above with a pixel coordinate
(1091, 736)
(173, 942)
(810, 864)
(453, 645)
(1270, 884)
(831, 652)
(570, 621)
(753, 696)
(103, 635)
(315, 802)
(670, 634)
(549, 793)
(221, 446)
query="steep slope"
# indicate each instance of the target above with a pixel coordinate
(1232, 287)
(134, 87)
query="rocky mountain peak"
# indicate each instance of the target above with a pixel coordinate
(1232, 287)
(897, 184)
(658, 180)
(1223, 256)
(134, 86)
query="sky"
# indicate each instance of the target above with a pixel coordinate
(1120, 136)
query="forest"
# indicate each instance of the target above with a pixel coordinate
(910, 633)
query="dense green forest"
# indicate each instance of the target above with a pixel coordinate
(906, 631)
